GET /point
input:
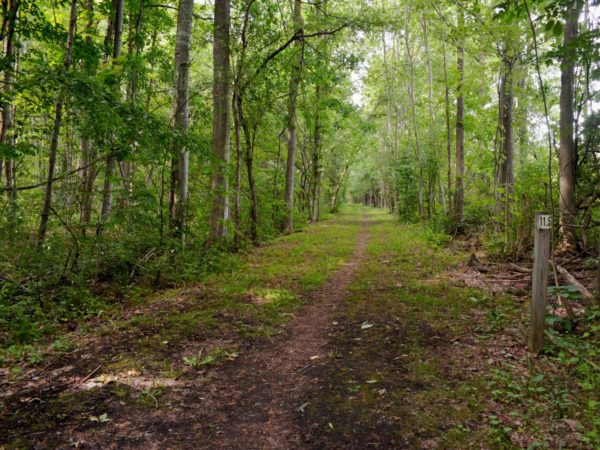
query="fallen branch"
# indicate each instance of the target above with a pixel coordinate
(91, 373)
(520, 269)
(573, 281)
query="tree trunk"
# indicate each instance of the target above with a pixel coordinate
(296, 73)
(239, 125)
(336, 190)
(181, 112)
(505, 169)
(56, 130)
(448, 129)
(316, 153)
(411, 89)
(107, 196)
(8, 112)
(88, 153)
(460, 129)
(567, 154)
(237, 128)
(249, 145)
(506, 166)
(88, 150)
(219, 216)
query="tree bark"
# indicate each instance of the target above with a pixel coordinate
(237, 134)
(107, 196)
(88, 150)
(411, 89)
(248, 156)
(56, 130)
(460, 129)
(448, 130)
(240, 124)
(296, 74)
(316, 159)
(8, 111)
(506, 164)
(219, 216)
(567, 153)
(181, 112)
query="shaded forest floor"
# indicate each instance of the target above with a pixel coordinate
(356, 333)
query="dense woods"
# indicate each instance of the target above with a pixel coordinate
(144, 143)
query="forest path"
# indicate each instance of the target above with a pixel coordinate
(253, 404)
(358, 332)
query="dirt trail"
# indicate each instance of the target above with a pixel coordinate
(253, 404)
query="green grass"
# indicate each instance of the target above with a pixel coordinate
(251, 298)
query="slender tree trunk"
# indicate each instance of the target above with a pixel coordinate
(181, 112)
(88, 153)
(506, 171)
(448, 130)
(435, 176)
(316, 153)
(567, 154)
(135, 45)
(248, 156)
(107, 197)
(336, 190)
(506, 167)
(415, 125)
(7, 135)
(56, 130)
(237, 134)
(296, 74)
(460, 129)
(8, 112)
(88, 150)
(239, 125)
(219, 216)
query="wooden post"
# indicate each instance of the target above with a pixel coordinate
(537, 308)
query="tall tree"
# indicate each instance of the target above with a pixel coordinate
(459, 194)
(505, 176)
(58, 114)
(316, 159)
(295, 76)
(448, 126)
(181, 112)
(87, 147)
(107, 197)
(219, 216)
(506, 160)
(567, 153)
(8, 109)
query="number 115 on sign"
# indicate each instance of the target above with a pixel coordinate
(544, 221)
